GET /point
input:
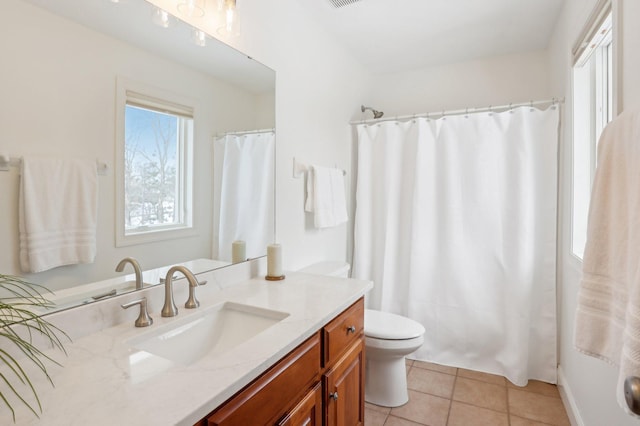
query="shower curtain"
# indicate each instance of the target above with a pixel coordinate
(456, 225)
(244, 192)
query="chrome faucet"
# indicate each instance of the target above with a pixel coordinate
(136, 268)
(169, 309)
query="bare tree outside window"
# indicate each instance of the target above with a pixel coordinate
(151, 166)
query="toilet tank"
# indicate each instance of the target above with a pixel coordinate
(333, 268)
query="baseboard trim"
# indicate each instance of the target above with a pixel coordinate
(568, 400)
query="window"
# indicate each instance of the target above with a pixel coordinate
(593, 108)
(155, 167)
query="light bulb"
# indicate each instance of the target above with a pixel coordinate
(198, 37)
(161, 18)
(231, 25)
(192, 8)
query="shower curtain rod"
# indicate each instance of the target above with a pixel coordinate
(246, 132)
(444, 113)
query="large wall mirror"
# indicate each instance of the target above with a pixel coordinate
(64, 63)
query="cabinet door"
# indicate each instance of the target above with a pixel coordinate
(344, 388)
(271, 395)
(308, 412)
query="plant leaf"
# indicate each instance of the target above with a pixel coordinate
(15, 321)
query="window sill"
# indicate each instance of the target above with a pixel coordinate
(154, 236)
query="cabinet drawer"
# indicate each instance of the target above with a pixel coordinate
(341, 332)
(308, 412)
(266, 400)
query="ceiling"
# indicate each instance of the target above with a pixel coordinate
(401, 35)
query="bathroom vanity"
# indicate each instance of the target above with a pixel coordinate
(289, 352)
(321, 378)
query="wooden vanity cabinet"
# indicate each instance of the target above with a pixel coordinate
(268, 398)
(321, 382)
(343, 376)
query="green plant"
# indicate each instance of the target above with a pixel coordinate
(18, 326)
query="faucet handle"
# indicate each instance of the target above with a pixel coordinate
(192, 302)
(144, 320)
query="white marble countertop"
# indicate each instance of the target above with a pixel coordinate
(100, 383)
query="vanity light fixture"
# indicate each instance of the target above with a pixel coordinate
(191, 8)
(230, 22)
(198, 37)
(161, 17)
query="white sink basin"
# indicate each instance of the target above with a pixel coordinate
(209, 332)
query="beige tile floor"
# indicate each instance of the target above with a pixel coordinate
(448, 396)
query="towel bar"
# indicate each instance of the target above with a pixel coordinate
(299, 169)
(7, 162)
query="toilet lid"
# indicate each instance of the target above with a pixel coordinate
(384, 325)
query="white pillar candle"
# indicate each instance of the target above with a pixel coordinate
(274, 260)
(238, 251)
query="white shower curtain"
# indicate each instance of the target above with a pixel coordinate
(244, 192)
(456, 225)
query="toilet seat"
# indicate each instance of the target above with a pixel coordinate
(393, 347)
(388, 326)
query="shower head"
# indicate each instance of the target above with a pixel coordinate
(376, 114)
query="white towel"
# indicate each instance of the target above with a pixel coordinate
(608, 314)
(326, 196)
(58, 211)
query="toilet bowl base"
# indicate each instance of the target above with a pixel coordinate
(386, 381)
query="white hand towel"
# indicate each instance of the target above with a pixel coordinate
(326, 196)
(608, 313)
(58, 211)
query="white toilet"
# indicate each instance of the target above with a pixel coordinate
(388, 339)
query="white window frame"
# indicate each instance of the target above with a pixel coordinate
(585, 104)
(139, 94)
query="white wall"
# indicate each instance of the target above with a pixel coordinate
(489, 81)
(319, 88)
(58, 85)
(587, 384)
